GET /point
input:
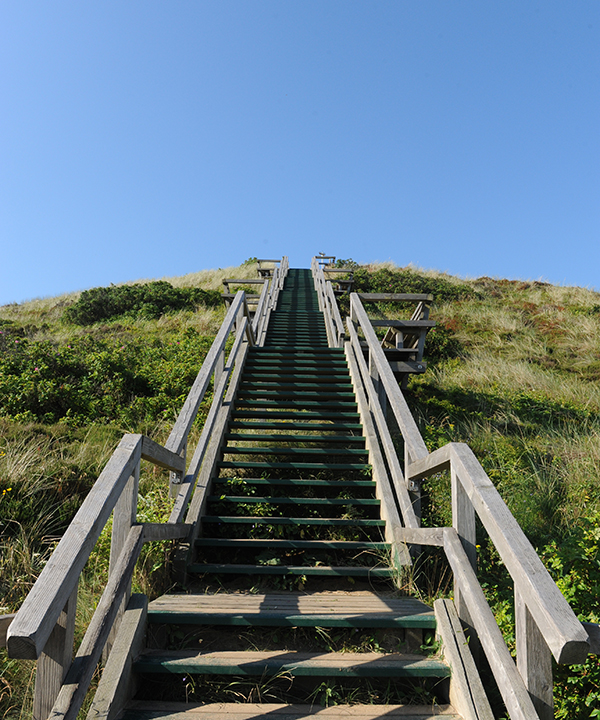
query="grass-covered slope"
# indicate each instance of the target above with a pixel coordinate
(513, 370)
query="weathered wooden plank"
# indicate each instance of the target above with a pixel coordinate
(297, 663)
(188, 483)
(406, 297)
(117, 686)
(361, 371)
(40, 611)
(463, 521)
(54, 662)
(246, 711)
(5, 621)
(165, 531)
(77, 680)
(423, 536)
(186, 417)
(438, 461)
(466, 689)
(404, 324)
(509, 681)
(534, 660)
(561, 629)
(229, 711)
(160, 456)
(412, 437)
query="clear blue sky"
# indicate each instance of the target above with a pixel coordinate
(142, 139)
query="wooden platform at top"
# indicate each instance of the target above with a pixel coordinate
(330, 609)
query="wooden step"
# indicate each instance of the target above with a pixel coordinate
(240, 465)
(358, 571)
(323, 452)
(308, 482)
(249, 499)
(154, 710)
(298, 415)
(324, 609)
(276, 545)
(298, 664)
(284, 437)
(299, 424)
(274, 520)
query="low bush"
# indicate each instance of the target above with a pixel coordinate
(147, 300)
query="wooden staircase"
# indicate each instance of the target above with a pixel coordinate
(292, 505)
(295, 518)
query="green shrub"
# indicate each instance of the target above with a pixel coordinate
(148, 300)
(404, 280)
(99, 380)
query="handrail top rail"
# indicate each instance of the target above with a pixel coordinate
(412, 437)
(397, 297)
(338, 270)
(244, 281)
(562, 631)
(261, 260)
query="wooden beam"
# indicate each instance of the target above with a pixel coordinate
(117, 684)
(165, 531)
(509, 681)
(466, 689)
(77, 680)
(159, 455)
(438, 461)
(405, 324)
(560, 627)
(35, 621)
(186, 417)
(404, 297)
(412, 437)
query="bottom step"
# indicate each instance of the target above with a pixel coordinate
(248, 711)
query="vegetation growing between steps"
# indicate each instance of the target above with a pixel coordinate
(513, 370)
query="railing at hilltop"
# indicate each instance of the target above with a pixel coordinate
(43, 628)
(545, 625)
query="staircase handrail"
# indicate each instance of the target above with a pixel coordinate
(43, 627)
(381, 372)
(328, 305)
(545, 622)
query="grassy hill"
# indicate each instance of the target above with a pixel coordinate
(513, 371)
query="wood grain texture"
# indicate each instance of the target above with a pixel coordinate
(412, 437)
(534, 660)
(354, 355)
(509, 681)
(77, 680)
(466, 690)
(40, 611)
(406, 297)
(54, 662)
(162, 457)
(186, 417)
(117, 686)
(248, 711)
(561, 629)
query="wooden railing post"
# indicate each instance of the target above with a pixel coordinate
(54, 662)
(534, 660)
(463, 521)
(124, 516)
(175, 479)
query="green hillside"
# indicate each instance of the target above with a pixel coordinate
(513, 371)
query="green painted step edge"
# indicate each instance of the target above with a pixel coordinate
(299, 425)
(239, 465)
(236, 450)
(256, 520)
(284, 437)
(191, 663)
(297, 415)
(341, 482)
(251, 543)
(294, 500)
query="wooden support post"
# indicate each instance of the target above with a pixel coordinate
(55, 661)
(124, 516)
(534, 660)
(463, 521)
(175, 478)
